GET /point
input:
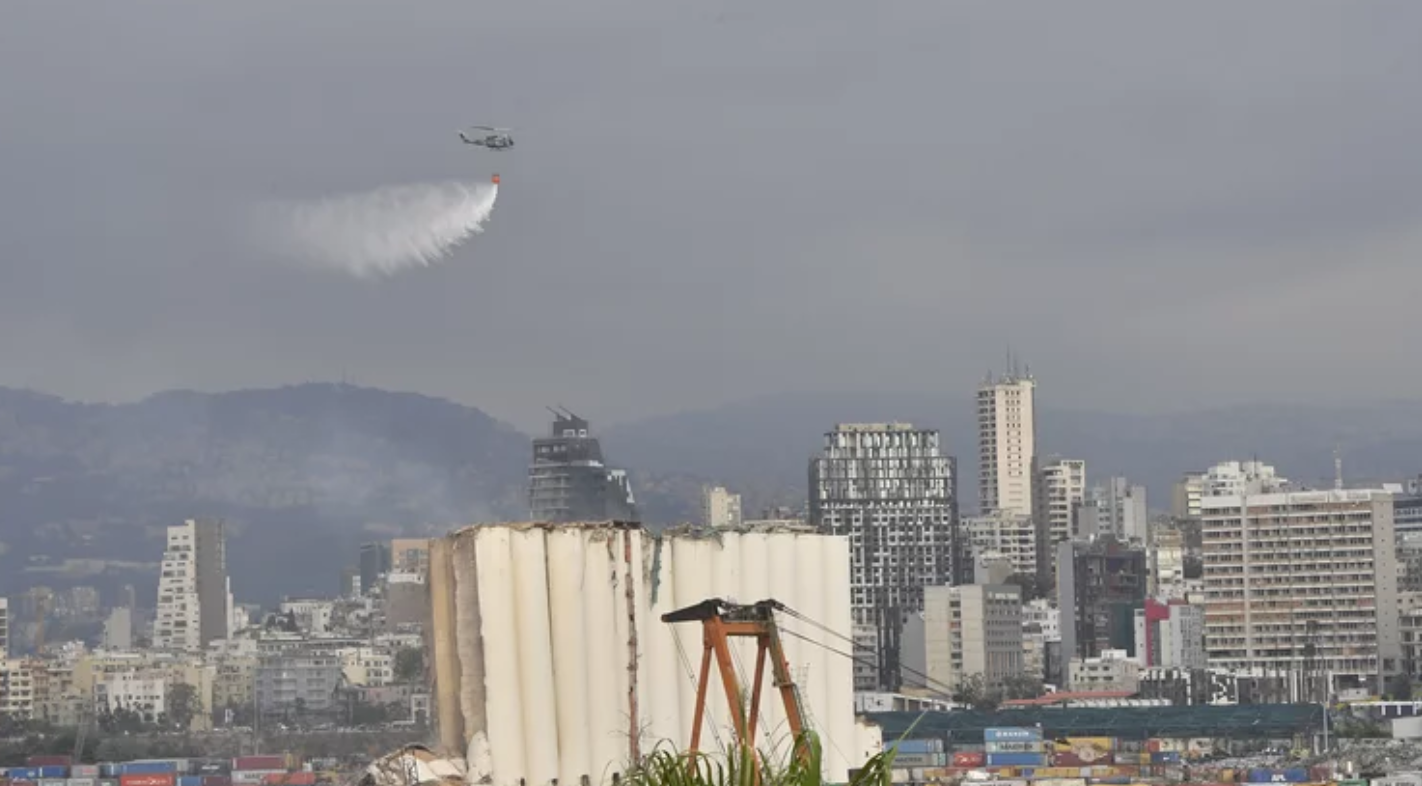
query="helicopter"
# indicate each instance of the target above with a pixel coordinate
(495, 139)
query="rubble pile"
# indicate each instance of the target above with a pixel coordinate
(1370, 757)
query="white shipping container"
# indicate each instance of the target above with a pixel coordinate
(551, 659)
(80, 782)
(253, 776)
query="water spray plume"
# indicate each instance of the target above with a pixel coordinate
(384, 231)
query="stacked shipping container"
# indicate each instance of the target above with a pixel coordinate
(52, 771)
(1017, 746)
(917, 753)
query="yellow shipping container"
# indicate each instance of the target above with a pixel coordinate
(1057, 772)
(1079, 745)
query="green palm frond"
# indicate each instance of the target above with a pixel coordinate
(739, 765)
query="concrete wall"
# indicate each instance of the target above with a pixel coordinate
(551, 661)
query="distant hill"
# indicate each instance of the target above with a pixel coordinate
(303, 473)
(762, 447)
(306, 473)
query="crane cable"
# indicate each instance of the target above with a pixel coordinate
(928, 682)
(695, 686)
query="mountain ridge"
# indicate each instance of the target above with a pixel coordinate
(304, 473)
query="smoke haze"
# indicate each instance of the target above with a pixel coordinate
(384, 231)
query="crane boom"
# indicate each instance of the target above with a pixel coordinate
(720, 621)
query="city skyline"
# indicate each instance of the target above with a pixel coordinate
(333, 423)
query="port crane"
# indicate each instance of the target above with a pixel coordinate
(720, 622)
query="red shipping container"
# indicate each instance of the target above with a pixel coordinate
(149, 779)
(969, 759)
(49, 761)
(259, 763)
(300, 778)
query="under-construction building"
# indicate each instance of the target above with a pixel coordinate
(568, 480)
(889, 488)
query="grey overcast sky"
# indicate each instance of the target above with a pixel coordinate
(1162, 206)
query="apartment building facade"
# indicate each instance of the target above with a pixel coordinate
(972, 629)
(890, 489)
(1305, 582)
(194, 593)
(1007, 444)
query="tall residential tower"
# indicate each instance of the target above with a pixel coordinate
(194, 592)
(1007, 444)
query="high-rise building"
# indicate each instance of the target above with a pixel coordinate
(1117, 509)
(1232, 478)
(1167, 564)
(1406, 511)
(1060, 489)
(4, 628)
(194, 592)
(889, 488)
(1303, 582)
(1185, 495)
(974, 629)
(1170, 634)
(1007, 444)
(1013, 538)
(1100, 584)
(118, 629)
(410, 555)
(374, 563)
(568, 480)
(1063, 487)
(720, 508)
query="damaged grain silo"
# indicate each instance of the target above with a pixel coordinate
(551, 661)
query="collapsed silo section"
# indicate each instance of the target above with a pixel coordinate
(551, 661)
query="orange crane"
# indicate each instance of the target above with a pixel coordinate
(720, 621)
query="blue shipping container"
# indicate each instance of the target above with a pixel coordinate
(917, 746)
(23, 773)
(1016, 760)
(54, 771)
(190, 780)
(149, 767)
(1290, 775)
(1012, 734)
(1165, 757)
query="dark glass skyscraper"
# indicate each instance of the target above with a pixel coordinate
(374, 562)
(568, 480)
